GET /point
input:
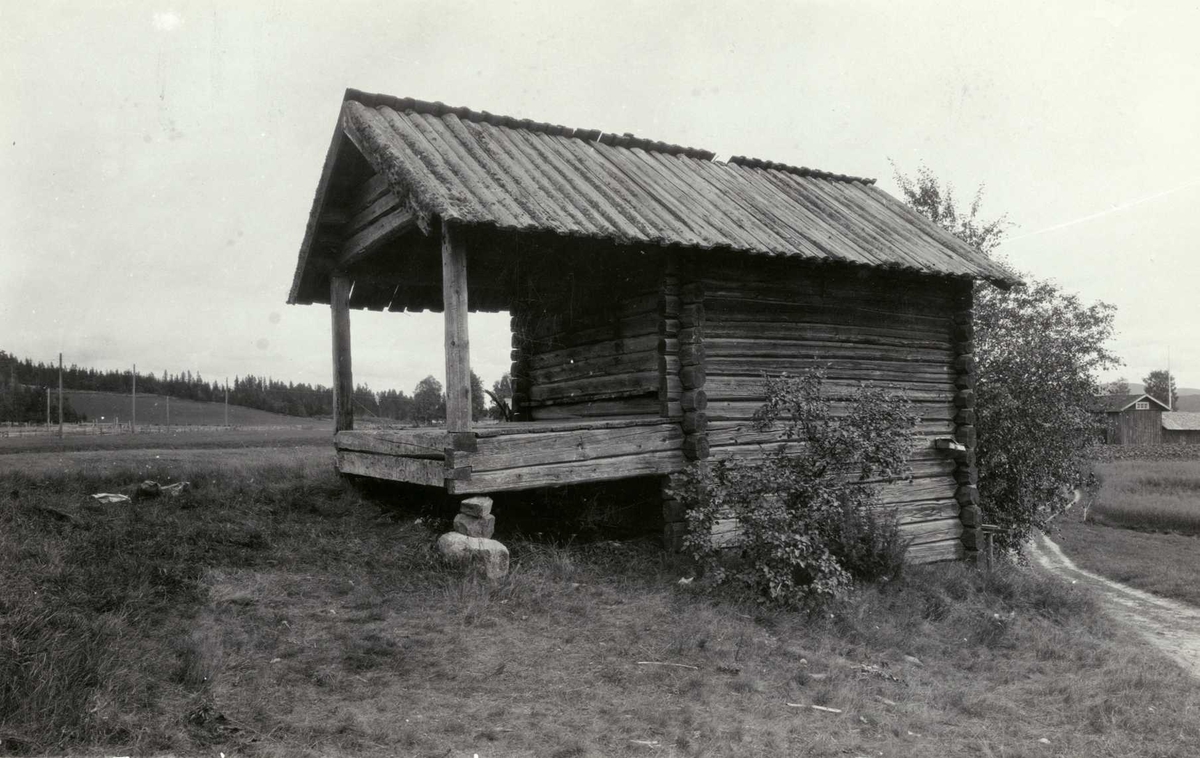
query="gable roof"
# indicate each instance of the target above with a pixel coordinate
(1181, 421)
(477, 168)
(1118, 403)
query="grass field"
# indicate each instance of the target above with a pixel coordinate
(318, 435)
(1143, 529)
(152, 409)
(275, 611)
(1149, 495)
(1165, 564)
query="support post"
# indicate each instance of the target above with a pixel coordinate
(60, 418)
(343, 377)
(458, 351)
(133, 406)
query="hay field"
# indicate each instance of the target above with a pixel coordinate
(1153, 495)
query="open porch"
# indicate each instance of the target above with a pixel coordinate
(513, 456)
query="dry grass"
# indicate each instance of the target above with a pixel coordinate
(1149, 495)
(1165, 564)
(275, 612)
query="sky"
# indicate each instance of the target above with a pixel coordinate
(159, 160)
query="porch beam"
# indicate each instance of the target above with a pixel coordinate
(375, 236)
(343, 377)
(458, 351)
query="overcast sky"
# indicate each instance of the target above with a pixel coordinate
(159, 160)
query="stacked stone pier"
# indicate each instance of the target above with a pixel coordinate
(471, 545)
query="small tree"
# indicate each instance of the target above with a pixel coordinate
(501, 395)
(1117, 387)
(806, 512)
(1161, 386)
(1038, 350)
(428, 402)
(478, 406)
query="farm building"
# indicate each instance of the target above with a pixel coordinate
(1134, 419)
(1180, 427)
(650, 288)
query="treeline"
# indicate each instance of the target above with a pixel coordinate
(23, 383)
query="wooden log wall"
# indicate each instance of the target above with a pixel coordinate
(904, 333)
(586, 338)
(966, 472)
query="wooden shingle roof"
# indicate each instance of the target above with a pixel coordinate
(1118, 403)
(495, 171)
(1181, 421)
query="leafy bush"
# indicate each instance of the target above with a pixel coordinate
(1038, 351)
(806, 513)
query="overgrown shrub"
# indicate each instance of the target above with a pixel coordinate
(807, 516)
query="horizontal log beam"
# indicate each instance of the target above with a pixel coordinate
(605, 469)
(375, 237)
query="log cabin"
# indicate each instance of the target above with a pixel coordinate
(650, 288)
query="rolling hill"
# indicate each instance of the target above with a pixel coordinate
(152, 409)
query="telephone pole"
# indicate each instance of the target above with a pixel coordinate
(1170, 389)
(60, 419)
(226, 402)
(133, 408)
(168, 414)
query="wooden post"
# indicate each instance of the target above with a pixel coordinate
(343, 376)
(458, 350)
(168, 414)
(47, 410)
(226, 402)
(133, 405)
(60, 418)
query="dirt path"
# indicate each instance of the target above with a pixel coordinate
(1169, 625)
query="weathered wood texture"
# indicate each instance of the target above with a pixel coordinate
(393, 468)
(586, 336)
(892, 331)
(693, 359)
(343, 376)
(1135, 427)
(457, 343)
(966, 475)
(518, 456)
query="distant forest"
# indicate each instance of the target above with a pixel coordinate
(23, 384)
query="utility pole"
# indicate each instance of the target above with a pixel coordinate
(226, 402)
(47, 410)
(168, 414)
(1170, 389)
(60, 419)
(133, 409)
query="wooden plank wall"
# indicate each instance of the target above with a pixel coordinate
(884, 328)
(586, 339)
(1134, 427)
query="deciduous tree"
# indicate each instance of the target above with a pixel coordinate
(1161, 386)
(478, 406)
(428, 401)
(1038, 351)
(1117, 387)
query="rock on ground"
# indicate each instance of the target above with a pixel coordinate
(473, 526)
(487, 556)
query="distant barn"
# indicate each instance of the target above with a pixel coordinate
(1131, 419)
(1181, 427)
(650, 288)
